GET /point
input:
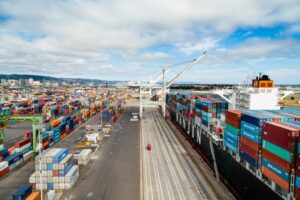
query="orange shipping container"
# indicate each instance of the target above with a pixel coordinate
(55, 123)
(278, 180)
(35, 195)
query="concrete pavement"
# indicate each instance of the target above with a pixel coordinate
(168, 172)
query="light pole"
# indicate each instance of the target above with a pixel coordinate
(40, 128)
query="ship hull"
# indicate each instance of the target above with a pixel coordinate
(242, 183)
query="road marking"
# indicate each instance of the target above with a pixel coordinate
(168, 172)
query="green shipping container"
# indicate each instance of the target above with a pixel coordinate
(280, 152)
(232, 129)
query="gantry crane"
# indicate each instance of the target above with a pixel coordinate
(37, 124)
(147, 88)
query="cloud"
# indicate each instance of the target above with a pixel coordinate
(64, 36)
(253, 49)
(204, 44)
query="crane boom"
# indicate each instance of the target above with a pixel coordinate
(187, 68)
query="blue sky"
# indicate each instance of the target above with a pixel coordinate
(128, 40)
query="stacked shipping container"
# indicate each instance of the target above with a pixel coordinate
(279, 148)
(58, 170)
(232, 130)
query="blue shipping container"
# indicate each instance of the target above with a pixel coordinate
(232, 136)
(231, 147)
(23, 192)
(248, 159)
(275, 169)
(60, 155)
(251, 128)
(254, 138)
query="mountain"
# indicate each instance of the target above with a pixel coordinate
(53, 79)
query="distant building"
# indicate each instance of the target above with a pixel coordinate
(22, 82)
(12, 82)
(3, 81)
(36, 83)
(30, 81)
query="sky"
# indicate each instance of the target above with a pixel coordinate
(134, 39)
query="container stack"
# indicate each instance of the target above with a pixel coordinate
(171, 100)
(232, 130)
(58, 170)
(183, 104)
(210, 107)
(251, 136)
(83, 157)
(279, 152)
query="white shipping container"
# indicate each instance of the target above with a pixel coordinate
(19, 149)
(3, 165)
(197, 121)
(37, 166)
(41, 186)
(28, 155)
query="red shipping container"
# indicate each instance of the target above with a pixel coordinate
(204, 109)
(277, 160)
(233, 114)
(249, 151)
(55, 172)
(45, 140)
(10, 150)
(297, 193)
(22, 142)
(281, 135)
(245, 141)
(233, 122)
(4, 171)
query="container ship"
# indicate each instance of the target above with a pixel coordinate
(245, 137)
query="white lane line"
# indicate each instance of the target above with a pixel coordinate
(161, 165)
(200, 177)
(153, 165)
(147, 157)
(171, 166)
(169, 144)
(144, 168)
(189, 175)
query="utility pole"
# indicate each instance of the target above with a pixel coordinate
(40, 146)
(164, 92)
(141, 103)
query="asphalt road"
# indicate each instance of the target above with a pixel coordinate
(14, 131)
(114, 172)
(168, 171)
